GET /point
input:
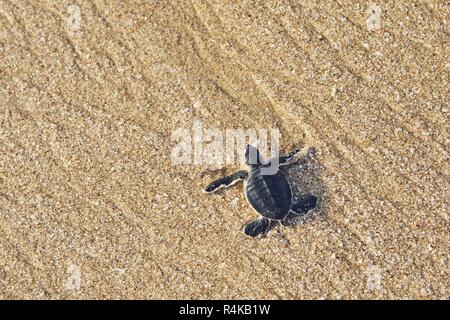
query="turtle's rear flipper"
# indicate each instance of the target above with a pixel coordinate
(304, 204)
(257, 227)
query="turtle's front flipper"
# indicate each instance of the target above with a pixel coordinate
(226, 181)
(287, 159)
(257, 227)
(304, 204)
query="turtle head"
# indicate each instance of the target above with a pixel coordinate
(252, 156)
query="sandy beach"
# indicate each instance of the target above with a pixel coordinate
(93, 207)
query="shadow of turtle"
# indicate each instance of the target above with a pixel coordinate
(305, 177)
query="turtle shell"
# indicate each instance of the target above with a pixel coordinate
(269, 195)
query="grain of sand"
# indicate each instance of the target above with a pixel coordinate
(91, 205)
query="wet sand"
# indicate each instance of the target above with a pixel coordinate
(91, 205)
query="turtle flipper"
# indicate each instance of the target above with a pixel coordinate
(257, 227)
(302, 205)
(226, 181)
(287, 159)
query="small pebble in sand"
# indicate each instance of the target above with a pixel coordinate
(73, 282)
(197, 104)
(118, 270)
(373, 277)
(373, 20)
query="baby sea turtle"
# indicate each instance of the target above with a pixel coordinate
(270, 195)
